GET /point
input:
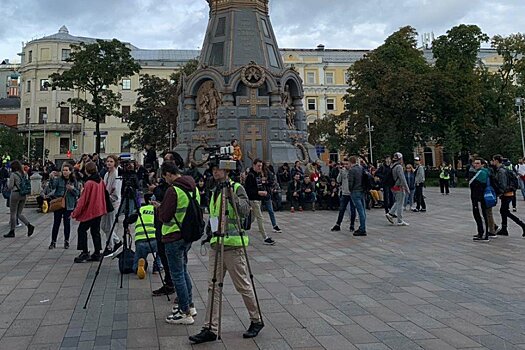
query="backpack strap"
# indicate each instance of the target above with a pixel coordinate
(190, 198)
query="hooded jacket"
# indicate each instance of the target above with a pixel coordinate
(92, 202)
(168, 208)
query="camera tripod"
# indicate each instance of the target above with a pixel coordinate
(129, 197)
(218, 284)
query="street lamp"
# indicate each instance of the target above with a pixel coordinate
(29, 139)
(370, 128)
(44, 119)
(518, 103)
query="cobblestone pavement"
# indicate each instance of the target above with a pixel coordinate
(427, 286)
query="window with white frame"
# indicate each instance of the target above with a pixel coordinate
(310, 77)
(44, 84)
(65, 54)
(329, 78)
(311, 103)
(330, 104)
(126, 84)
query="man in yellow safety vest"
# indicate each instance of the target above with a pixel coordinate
(142, 246)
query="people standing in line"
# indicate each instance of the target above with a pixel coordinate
(114, 188)
(399, 190)
(17, 200)
(421, 206)
(357, 195)
(506, 193)
(257, 192)
(172, 212)
(91, 206)
(411, 181)
(234, 261)
(384, 172)
(520, 170)
(444, 179)
(345, 198)
(65, 186)
(478, 184)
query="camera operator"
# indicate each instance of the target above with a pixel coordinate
(234, 259)
(257, 193)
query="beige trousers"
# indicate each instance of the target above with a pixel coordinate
(257, 213)
(490, 221)
(235, 264)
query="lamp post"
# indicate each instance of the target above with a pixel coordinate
(29, 139)
(518, 103)
(370, 128)
(44, 119)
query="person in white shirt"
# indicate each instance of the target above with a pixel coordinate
(520, 169)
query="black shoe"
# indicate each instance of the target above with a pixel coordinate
(11, 234)
(359, 233)
(66, 244)
(480, 238)
(503, 232)
(352, 229)
(254, 330)
(116, 247)
(492, 235)
(164, 290)
(107, 252)
(30, 230)
(203, 337)
(83, 257)
(95, 257)
(336, 228)
(423, 210)
(53, 245)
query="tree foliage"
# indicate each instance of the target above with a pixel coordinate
(11, 143)
(95, 68)
(156, 110)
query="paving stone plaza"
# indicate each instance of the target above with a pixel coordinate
(427, 286)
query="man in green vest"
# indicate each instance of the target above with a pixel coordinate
(142, 246)
(171, 213)
(444, 179)
(234, 260)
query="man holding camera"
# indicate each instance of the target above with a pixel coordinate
(233, 260)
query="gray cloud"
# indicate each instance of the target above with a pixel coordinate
(297, 23)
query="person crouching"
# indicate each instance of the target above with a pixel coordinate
(145, 241)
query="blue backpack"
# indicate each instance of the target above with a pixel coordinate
(491, 200)
(25, 185)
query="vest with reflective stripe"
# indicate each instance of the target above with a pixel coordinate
(147, 213)
(182, 204)
(232, 238)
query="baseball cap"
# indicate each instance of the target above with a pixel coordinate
(398, 155)
(417, 158)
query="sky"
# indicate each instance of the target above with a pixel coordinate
(180, 24)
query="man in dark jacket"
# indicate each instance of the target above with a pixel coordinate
(257, 192)
(478, 184)
(383, 173)
(355, 185)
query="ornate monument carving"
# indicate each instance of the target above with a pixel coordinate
(242, 90)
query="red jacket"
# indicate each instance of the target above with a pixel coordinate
(92, 202)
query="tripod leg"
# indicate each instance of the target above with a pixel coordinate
(214, 285)
(221, 286)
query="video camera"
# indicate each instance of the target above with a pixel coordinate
(221, 157)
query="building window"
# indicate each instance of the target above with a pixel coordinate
(125, 143)
(103, 143)
(310, 78)
(30, 56)
(41, 112)
(28, 86)
(65, 54)
(330, 104)
(126, 84)
(266, 31)
(272, 56)
(64, 145)
(64, 115)
(28, 115)
(126, 110)
(44, 84)
(312, 104)
(329, 78)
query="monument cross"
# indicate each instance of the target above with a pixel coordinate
(253, 135)
(253, 101)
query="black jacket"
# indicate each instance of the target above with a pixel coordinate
(253, 185)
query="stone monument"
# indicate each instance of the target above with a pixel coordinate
(242, 90)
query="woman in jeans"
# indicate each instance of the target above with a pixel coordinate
(114, 188)
(17, 201)
(64, 186)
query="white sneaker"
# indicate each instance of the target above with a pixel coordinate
(19, 225)
(180, 318)
(175, 309)
(403, 223)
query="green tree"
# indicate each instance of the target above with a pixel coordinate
(156, 110)
(11, 143)
(391, 85)
(326, 132)
(95, 68)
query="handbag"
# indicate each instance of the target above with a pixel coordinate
(490, 195)
(109, 205)
(57, 204)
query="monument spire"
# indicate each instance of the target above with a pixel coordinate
(240, 32)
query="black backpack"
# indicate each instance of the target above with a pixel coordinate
(125, 261)
(367, 180)
(389, 181)
(193, 225)
(512, 181)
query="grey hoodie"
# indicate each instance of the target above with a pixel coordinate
(399, 175)
(420, 174)
(342, 179)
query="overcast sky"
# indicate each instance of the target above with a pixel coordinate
(180, 24)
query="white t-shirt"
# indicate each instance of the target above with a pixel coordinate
(520, 169)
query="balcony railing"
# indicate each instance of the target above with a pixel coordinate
(51, 127)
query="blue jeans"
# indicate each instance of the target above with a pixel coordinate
(522, 187)
(358, 199)
(142, 250)
(344, 201)
(177, 254)
(269, 207)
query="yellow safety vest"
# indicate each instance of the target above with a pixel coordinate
(182, 204)
(442, 174)
(148, 217)
(232, 238)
